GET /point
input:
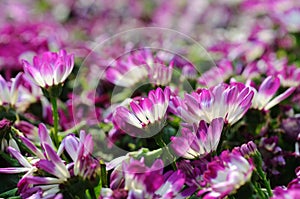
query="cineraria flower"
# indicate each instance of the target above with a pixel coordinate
(46, 171)
(50, 69)
(9, 90)
(246, 149)
(193, 170)
(286, 193)
(289, 76)
(126, 73)
(217, 74)
(262, 99)
(49, 185)
(139, 66)
(226, 174)
(139, 183)
(144, 115)
(230, 102)
(80, 151)
(200, 141)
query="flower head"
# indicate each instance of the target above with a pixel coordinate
(262, 99)
(230, 102)
(50, 68)
(144, 115)
(139, 181)
(226, 174)
(9, 91)
(200, 141)
(139, 66)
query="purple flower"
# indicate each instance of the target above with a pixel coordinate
(58, 171)
(145, 115)
(230, 102)
(50, 68)
(200, 141)
(286, 193)
(216, 75)
(9, 91)
(139, 66)
(80, 150)
(246, 149)
(193, 170)
(262, 99)
(226, 174)
(141, 181)
(289, 76)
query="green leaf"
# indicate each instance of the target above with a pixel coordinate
(9, 193)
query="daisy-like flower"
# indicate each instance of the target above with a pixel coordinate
(54, 166)
(9, 90)
(226, 174)
(217, 74)
(200, 141)
(139, 66)
(286, 193)
(50, 69)
(263, 98)
(145, 115)
(139, 183)
(230, 102)
(80, 150)
(46, 172)
(289, 76)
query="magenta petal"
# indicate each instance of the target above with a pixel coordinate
(180, 145)
(22, 160)
(59, 73)
(206, 99)
(112, 75)
(269, 86)
(280, 98)
(160, 96)
(35, 180)
(136, 108)
(44, 135)
(146, 104)
(71, 146)
(50, 167)
(4, 90)
(14, 88)
(13, 170)
(34, 74)
(32, 147)
(138, 111)
(47, 73)
(52, 156)
(231, 95)
(88, 143)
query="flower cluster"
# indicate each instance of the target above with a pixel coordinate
(150, 99)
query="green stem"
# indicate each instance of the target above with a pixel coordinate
(103, 174)
(258, 190)
(266, 182)
(160, 142)
(222, 139)
(92, 193)
(55, 120)
(258, 162)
